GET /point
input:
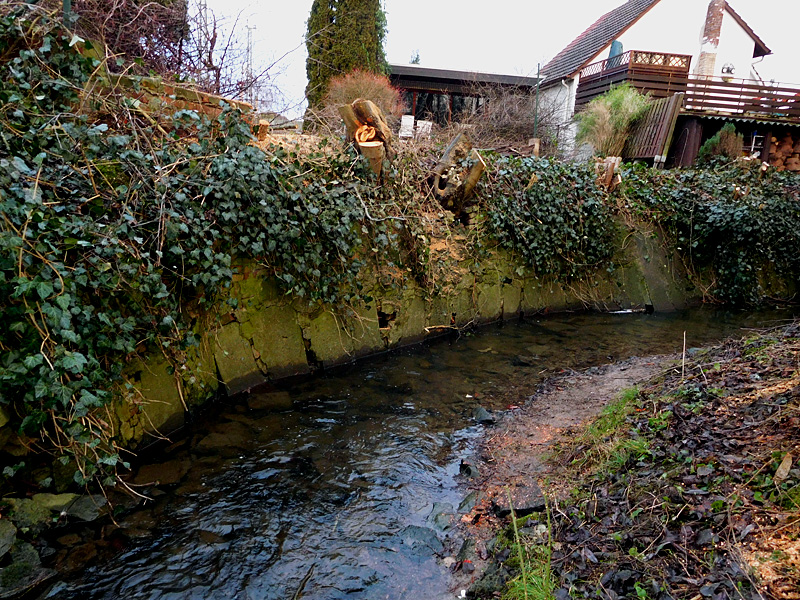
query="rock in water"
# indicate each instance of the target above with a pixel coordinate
(468, 470)
(423, 538)
(525, 361)
(483, 416)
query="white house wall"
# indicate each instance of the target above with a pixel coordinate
(562, 96)
(736, 48)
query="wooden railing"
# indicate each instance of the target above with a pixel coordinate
(663, 61)
(661, 75)
(742, 97)
(658, 73)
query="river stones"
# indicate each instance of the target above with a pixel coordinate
(468, 503)
(468, 470)
(8, 533)
(87, 508)
(23, 573)
(55, 502)
(422, 538)
(168, 473)
(526, 499)
(270, 401)
(28, 514)
(442, 515)
(525, 361)
(483, 416)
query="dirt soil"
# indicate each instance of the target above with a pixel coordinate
(513, 456)
(707, 506)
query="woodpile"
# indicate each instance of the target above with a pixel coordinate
(784, 153)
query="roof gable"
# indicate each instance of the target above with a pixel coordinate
(609, 27)
(588, 44)
(761, 48)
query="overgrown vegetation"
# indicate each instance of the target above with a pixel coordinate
(119, 231)
(551, 214)
(736, 224)
(113, 228)
(607, 121)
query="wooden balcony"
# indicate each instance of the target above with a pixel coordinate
(657, 73)
(663, 75)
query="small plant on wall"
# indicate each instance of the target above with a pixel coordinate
(607, 121)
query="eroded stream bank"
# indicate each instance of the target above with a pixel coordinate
(686, 486)
(345, 485)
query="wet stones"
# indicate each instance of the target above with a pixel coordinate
(525, 499)
(8, 534)
(24, 572)
(422, 538)
(468, 470)
(525, 361)
(270, 401)
(483, 416)
(168, 473)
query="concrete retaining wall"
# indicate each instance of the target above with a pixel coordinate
(271, 336)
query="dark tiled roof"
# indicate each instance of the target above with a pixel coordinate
(586, 46)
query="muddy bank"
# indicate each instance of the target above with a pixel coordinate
(686, 489)
(514, 455)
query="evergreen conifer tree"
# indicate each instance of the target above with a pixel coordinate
(343, 35)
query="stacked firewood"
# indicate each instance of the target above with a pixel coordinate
(784, 153)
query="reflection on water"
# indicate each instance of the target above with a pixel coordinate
(342, 486)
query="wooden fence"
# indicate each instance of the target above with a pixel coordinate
(652, 136)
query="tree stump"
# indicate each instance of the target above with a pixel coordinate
(368, 130)
(454, 181)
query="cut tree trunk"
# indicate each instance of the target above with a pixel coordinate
(367, 129)
(453, 183)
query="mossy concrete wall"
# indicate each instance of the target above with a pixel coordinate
(270, 336)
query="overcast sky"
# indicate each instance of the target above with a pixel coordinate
(501, 36)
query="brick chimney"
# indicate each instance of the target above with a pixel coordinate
(710, 42)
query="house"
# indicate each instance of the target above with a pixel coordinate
(712, 60)
(442, 95)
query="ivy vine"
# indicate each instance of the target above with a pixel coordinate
(737, 221)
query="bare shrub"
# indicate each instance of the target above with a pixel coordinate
(351, 86)
(510, 116)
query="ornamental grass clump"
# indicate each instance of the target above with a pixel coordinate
(607, 122)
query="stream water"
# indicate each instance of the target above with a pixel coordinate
(341, 486)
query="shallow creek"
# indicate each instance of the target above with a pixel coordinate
(347, 485)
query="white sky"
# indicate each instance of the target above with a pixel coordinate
(501, 36)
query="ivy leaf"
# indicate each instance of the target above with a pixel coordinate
(74, 361)
(33, 361)
(44, 289)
